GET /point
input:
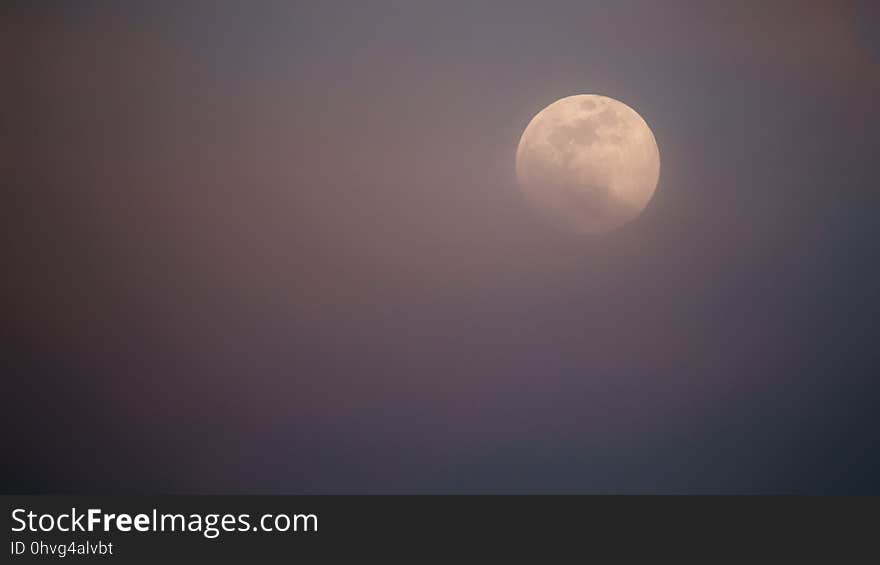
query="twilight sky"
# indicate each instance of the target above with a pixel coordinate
(278, 247)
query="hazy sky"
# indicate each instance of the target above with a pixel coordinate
(278, 247)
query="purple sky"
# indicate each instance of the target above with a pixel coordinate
(284, 243)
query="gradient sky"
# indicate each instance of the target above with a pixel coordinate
(278, 247)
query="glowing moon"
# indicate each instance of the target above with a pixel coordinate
(588, 163)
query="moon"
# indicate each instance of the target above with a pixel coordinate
(588, 163)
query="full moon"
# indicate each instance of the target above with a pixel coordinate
(588, 163)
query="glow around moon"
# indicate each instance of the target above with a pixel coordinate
(588, 163)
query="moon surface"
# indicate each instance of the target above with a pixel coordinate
(588, 163)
